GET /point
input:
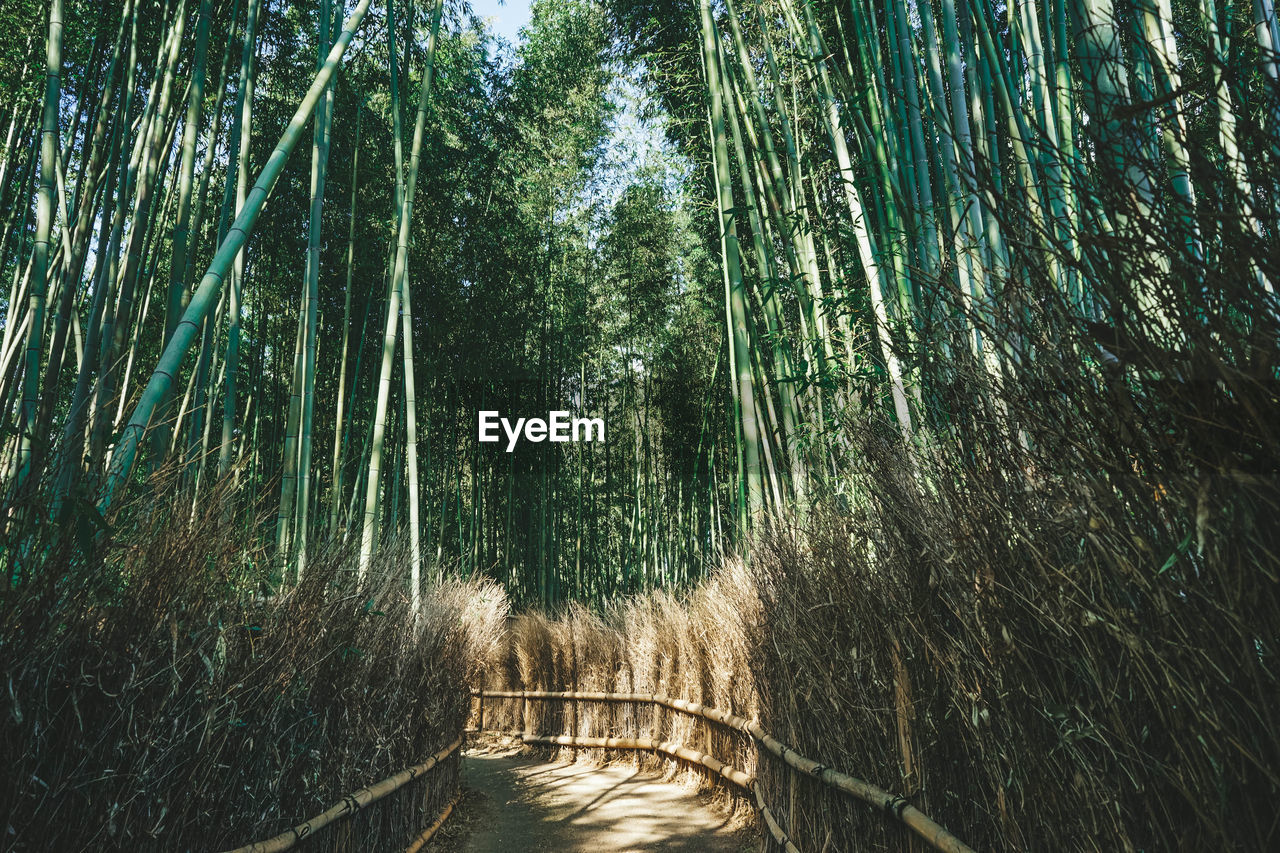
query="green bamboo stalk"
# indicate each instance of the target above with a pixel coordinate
(748, 426)
(399, 272)
(244, 107)
(182, 224)
(285, 518)
(198, 432)
(44, 226)
(862, 237)
(763, 249)
(339, 446)
(202, 301)
(319, 170)
(186, 172)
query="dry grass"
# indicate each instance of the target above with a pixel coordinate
(150, 704)
(694, 648)
(1076, 699)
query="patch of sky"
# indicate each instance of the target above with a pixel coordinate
(504, 18)
(637, 147)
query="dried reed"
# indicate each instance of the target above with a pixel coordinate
(151, 704)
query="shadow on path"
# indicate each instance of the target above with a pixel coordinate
(517, 803)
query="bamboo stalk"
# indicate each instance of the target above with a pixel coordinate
(431, 830)
(44, 228)
(397, 286)
(244, 133)
(772, 822)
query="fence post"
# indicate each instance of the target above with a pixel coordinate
(701, 723)
(524, 712)
(480, 721)
(793, 803)
(904, 709)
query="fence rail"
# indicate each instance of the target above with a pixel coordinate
(894, 805)
(353, 803)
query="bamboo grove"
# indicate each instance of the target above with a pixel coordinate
(910, 188)
(860, 203)
(196, 304)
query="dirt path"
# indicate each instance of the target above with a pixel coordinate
(518, 803)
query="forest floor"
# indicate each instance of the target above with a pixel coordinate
(515, 802)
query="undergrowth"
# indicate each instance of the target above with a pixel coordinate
(157, 698)
(1037, 668)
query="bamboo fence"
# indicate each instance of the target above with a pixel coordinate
(430, 831)
(894, 805)
(353, 803)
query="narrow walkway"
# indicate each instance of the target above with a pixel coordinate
(517, 803)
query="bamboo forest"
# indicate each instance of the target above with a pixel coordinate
(594, 425)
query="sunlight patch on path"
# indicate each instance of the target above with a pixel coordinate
(522, 803)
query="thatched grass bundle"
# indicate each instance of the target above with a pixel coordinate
(1027, 693)
(154, 705)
